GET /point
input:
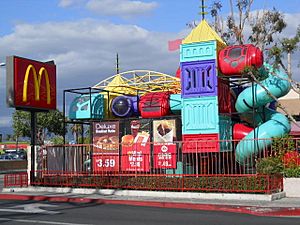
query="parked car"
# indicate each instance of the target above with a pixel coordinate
(19, 154)
(6, 157)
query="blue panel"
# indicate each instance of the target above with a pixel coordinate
(86, 107)
(225, 125)
(198, 51)
(175, 103)
(198, 78)
(200, 115)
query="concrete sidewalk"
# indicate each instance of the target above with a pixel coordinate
(254, 204)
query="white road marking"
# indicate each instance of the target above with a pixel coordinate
(41, 222)
(31, 208)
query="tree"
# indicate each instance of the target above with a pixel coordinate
(57, 140)
(9, 137)
(286, 46)
(264, 25)
(76, 129)
(47, 123)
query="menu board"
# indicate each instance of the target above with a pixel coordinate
(164, 150)
(105, 146)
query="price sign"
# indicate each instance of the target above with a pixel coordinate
(165, 156)
(103, 163)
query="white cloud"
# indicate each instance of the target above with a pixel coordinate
(122, 8)
(85, 50)
(66, 3)
(70, 3)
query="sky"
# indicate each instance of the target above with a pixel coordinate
(83, 36)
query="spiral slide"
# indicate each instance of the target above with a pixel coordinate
(271, 123)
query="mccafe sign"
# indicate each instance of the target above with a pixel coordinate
(30, 84)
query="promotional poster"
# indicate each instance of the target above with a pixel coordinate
(136, 149)
(164, 134)
(106, 137)
(106, 146)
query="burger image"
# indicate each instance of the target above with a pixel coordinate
(127, 140)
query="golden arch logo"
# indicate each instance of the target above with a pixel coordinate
(37, 78)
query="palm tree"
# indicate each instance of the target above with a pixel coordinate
(76, 129)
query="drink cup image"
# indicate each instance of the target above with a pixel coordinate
(164, 132)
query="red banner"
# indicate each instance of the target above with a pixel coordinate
(136, 158)
(136, 155)
(165, 156)
(103, 163)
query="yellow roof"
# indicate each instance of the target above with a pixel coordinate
(203, 32)
(119, 85)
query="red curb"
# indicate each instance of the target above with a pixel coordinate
(252, 210)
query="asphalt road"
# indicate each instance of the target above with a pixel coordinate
(29, 212)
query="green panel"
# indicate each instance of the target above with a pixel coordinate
(225, 125)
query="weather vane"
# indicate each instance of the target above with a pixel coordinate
(203, 6)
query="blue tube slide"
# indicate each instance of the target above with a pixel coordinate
(270, 123)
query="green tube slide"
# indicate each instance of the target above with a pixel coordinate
(271, 124)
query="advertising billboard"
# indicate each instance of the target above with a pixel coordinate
(105, 146)
(164, 150)
(165, 156)
(136, 148)
(30, 84)
(106, 138)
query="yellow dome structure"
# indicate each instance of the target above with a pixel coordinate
(203, 32)
(136, 82)
(139, 82)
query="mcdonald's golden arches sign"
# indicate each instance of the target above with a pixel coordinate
(30, 83)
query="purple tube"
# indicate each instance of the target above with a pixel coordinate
(125, 106)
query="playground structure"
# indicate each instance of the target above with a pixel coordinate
(211, 120)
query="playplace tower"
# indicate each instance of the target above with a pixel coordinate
(206, 98)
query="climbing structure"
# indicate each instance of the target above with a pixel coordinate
(206, 97)
(146, 106)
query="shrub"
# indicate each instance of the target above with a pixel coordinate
(284, 159)
(291, 172)
(269, 166)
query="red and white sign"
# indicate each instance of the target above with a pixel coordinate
(165, 156)
(136, 157)
(104, 163)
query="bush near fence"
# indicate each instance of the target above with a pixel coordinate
(204, 183)
(13, 165)
(197, 171)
